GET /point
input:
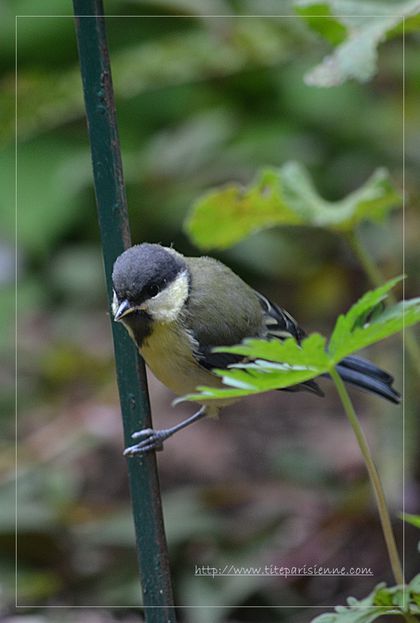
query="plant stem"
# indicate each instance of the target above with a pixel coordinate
(374, 477)
(377, 279)
(372, 271)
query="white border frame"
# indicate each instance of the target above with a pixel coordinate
(180, 607)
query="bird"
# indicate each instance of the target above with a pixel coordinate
(177, 309)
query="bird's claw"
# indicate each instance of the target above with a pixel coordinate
(150, 440)
(144, 433)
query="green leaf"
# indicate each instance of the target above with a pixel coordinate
(346, 323)
(365, 24)
(275, 365)
(284, 196)
(405, 313)
(350, 335)
(363, 611)
(414, 520)
(381, 601)
(319, 17)
(311, 351)
(225, 216)
(414, 587)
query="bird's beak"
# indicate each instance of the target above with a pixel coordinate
(123, 309)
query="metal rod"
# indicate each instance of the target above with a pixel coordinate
(115, 234)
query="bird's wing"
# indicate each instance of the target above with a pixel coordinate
(210, 360)
(222, 312)
(278, 322)
(281, 325)
(229, 329)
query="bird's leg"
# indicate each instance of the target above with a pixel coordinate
(153, 439)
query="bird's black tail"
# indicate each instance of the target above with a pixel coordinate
(366, 375)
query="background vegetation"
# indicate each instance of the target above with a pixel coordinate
(201, 101)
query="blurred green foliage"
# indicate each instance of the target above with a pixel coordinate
(202, 101)
(285, 197)
(381, 602)
(413, 519)
(356, 29)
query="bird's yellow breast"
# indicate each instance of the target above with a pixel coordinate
(168, 353)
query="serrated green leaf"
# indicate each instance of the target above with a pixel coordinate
(394, 596)
(254, 381)
(353, 616)
(346, 323)
(214, 393)
(350, 336)
(405, 313)
(381, 601)
(284, 196)
(311, 351)
(265, 379)
(366, 25)
(274, 365)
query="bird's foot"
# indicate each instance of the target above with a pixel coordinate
(150, 440)
(153, 439)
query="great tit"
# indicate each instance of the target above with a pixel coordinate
(177, 309)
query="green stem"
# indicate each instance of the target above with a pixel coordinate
(372, 271)
(377, 279)
(374, 477)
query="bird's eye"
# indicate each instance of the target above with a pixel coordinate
(152, 290)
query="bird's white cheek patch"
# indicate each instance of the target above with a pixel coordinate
(166, 306)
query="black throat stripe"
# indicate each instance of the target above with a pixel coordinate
(140, 324)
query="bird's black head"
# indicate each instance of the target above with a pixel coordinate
(147, 279)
